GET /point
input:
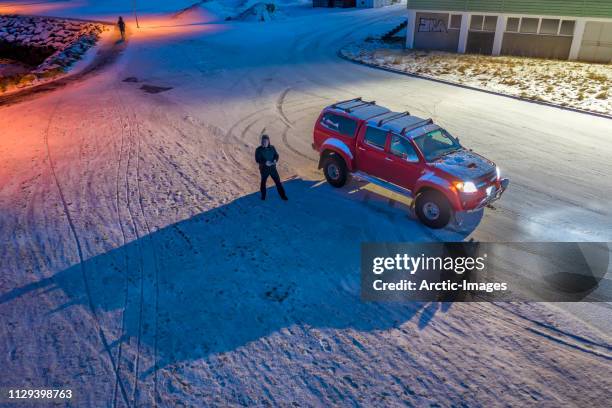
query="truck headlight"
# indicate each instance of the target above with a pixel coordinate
(466, 186)
(498, 172)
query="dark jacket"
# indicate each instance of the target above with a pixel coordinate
(121, 25)
(264, 154)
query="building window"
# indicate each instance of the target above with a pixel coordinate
(483, 23)
(489, 23)
(476, 22)
(546, 26)
(549, 26)
(455, 21)
(529, 25)
(567, 27)
(512, 25)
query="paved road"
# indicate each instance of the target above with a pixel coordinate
(558, 161)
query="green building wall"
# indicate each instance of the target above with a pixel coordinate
(576, 8)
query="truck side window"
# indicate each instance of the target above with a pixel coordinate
(340, 124)
(403, 148)
(376, 137)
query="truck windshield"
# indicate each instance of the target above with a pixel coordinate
(436, 144)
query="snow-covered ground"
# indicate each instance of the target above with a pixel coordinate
(577, 85)
(139, 266)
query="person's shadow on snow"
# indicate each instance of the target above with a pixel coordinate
(240, 272)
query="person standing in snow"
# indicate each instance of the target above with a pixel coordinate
(121, 25)
(267, 157)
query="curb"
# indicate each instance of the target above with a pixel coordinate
(443, 81)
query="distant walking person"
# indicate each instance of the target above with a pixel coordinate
(267, 157)
(121, 25)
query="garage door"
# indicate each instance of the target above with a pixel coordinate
(596, 42)
(481, 34)
(436, 31)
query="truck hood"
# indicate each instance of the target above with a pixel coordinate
(464, 164)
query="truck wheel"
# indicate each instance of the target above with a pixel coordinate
(433, 209)
(335, 171)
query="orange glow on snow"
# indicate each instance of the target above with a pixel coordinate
(152, 26)
(160, 27)
(35, 7)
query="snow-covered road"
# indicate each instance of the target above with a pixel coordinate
(139, 267)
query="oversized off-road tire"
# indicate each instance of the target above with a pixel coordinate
(433, 209)
(335, 171)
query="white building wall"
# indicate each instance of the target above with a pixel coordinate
(499, 34)
(463, 32)
(577, 38)
(410, 29)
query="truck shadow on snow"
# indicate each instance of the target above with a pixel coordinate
(238, 273)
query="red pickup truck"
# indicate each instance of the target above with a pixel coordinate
(406, 154)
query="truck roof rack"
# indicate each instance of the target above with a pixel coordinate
(393, 117)
(417, 125)
(359, 103)
(335, 105)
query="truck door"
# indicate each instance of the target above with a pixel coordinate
(371, 151)
(402, 165)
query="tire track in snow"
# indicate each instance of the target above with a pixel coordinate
(556, 336)
(79, 249)
(230, 134)
(141, 305)
(126, 257)
(138, 245)
(294, 150)
(279, 107)
(288, 125)
(141, 269)
(151, 240)
(281, 103)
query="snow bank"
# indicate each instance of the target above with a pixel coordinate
(192, 14)
(578, 85)
(260, 11)
(250, 10)
(48, 45)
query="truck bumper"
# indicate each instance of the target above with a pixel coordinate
(493, 196)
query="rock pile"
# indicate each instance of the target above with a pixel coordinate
(47, 44)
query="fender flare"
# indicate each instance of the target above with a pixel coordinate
(431, 181)
(338, 147)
